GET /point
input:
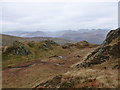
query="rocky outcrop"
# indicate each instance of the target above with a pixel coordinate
(18, 48)
(109, 49)
(111, 36)
(48, 45)
(79, 45)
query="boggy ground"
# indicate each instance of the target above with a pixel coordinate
(31, 73)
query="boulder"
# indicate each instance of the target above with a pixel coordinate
(18, 48)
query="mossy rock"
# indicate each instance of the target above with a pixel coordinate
(18, 48)
(48, 45)
(82, 44)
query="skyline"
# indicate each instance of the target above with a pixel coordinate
(56, 16)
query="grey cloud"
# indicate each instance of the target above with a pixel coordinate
(59, 16)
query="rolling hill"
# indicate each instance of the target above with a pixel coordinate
(7, 40)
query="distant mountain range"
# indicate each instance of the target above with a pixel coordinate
(95, 36)
(92, 36)
(26, 33)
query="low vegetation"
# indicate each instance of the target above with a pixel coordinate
(47, 64)
(98, 70)
(20, 52)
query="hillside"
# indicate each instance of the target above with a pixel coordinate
(109, 50)
(46, 64)
(7, 40)
(98, 70)
(39, 61)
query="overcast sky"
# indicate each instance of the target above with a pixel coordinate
(54, 16)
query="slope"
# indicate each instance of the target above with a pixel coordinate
(98, 70)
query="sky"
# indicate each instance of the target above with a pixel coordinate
(51, 15)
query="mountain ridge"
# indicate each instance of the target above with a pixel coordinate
(95, 36)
